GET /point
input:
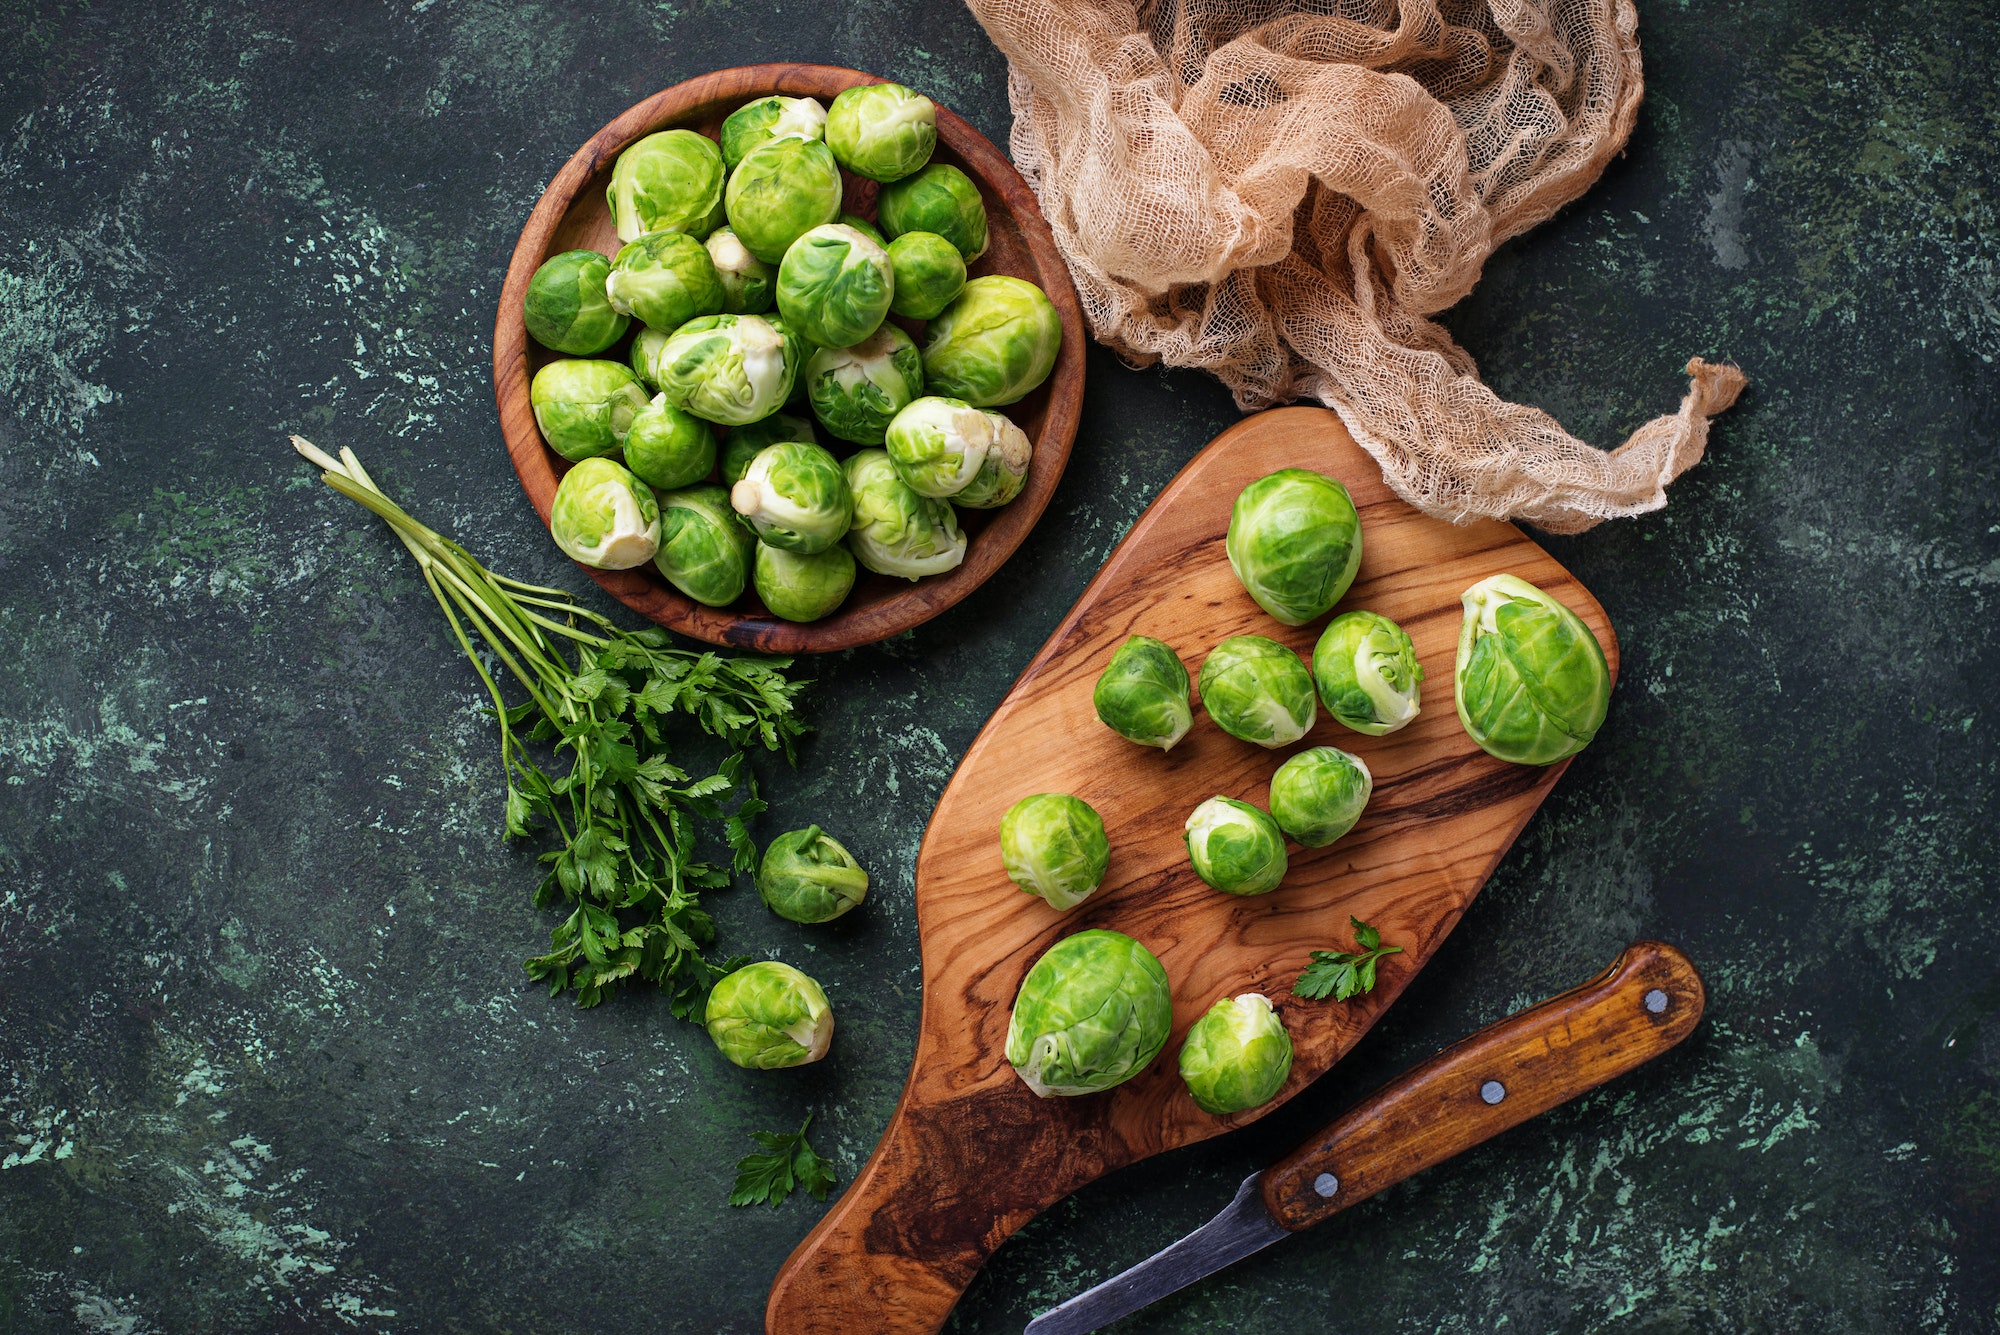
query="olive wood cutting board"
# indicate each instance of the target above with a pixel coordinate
(970, 1154)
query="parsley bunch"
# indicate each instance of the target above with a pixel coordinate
(1341, 974)
(787, 1162)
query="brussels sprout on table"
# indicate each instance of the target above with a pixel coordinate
(857, 391)
(1295, 543)
(749, 286)
(667, 182)
(834, 285)
(664, 278)
(668, 446)
(1531, 684)
(939, 444)
(1319, 794)
(605, 517)
(781, 191)
(705, 550)
(1367, 672)
(1053, 845)
(1235, 848)
(565, 308)
(995, 343)
(731, 369)
(882, 131)
(940, 199)
(808, 877)
(1142, 694)
(584, 408)
(795, 496)
(769, 1015)
(755, 124)
(802, 588)
(929, 272)
(1092, 1013)
(747, 442)
(1257, 689)
(1236, 1056)
(1004, 471)
(896, 531)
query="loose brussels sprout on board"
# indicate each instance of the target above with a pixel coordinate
(1531, 683)
(566, 309)
(994, 344)
(779, 192)
(1295, 543)
(669, 447)
(755, 124)
(896, 531)
(584, 408)
(664, 278)
(1005, 470)
(882, 131)
(802, 588)
(731, 369)
(939, 444)
(1053, 845)
(834, 285)
(929, 272)
(1142, 694)
(747, 442)
(1367, 671)
(705, 550)
(808, 877)
(1092, 1013)
(1257, 689)
(768, 1015)
(1235, 848)
(940, 199)
(1319, 794)
(857, 391)
(795, 496)
(605, 517)
(667, 182)
(749, 286)
(1236, 1056)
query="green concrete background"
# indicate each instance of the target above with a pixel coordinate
(267, 1059)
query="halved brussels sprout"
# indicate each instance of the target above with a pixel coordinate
(940, 199)
(807, 876)
(1092, 1013)
(667, 182)
(705, 550)
(1053, 845)
(994, 344)
(769, 1015)
(1531, 683)
(1368, 674)
(566, 309)
(856, 392)
(795, 497)
(896, 531)
(803, 588)
(882, 131)
(1257, 689)
(1235, 848)
(731, 369)
(749, 286)
(1005, 470)
(929, 273)
(1294, 542)
(1319, 794)
(605, 517)
(939, 445)
(1142, 694)
(664, 278)
(1237, 1056)
(863, 226)
(584, 408)
(747, 442)
(781, 191)
(669, 447)
(755, 124)
(834, 286)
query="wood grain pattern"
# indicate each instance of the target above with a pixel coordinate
(969, 1154)
(572, 215)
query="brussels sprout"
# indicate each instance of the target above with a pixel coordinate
(795, 497)
(1142, 694)
(803, 588)
(668, 447)
(781, 191)
(1005, 471)
(755, 124)
(1258, 690)
(747, 442)
(1294, 542)
(767, 1015)
(1368, 673)
(994, 344)
(1092, 1013)
(667, 182)
(807, 876)
(896, 531)
(929, 273)
(863, 226)
(664, 278)
(856, 392)
(1317, 795)
(882, 131)
(939, 445)
(705, 550)
(584, 408)
(731, 369)
(1053, 845)
(605, 517)
(1235, 848)
(645, 355)
(940, 199)
(1236, 1057)
(566, 308)
(1531, 682)
(749, 286)
(834, 286)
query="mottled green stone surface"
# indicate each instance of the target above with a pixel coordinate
(267, 1058)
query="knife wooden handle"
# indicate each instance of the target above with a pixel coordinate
(1508, 1072)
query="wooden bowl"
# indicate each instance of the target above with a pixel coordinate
(572, 215)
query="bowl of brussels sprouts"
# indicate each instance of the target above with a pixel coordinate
(787, 358)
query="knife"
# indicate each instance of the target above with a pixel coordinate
(1512, 1070)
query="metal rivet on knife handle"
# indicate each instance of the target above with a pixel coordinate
(1492, 1091)
(1656, 1001)
(1326, 1184)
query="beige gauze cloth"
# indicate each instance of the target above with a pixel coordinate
(1283, 192)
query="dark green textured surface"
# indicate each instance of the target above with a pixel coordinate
(266, 1055)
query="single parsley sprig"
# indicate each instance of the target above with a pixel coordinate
(623, 816)
(787, 1163)
(1342, 974)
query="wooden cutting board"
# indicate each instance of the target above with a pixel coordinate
(970, 1154)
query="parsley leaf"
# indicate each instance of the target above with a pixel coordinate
(1342, 974)
(788, 1163)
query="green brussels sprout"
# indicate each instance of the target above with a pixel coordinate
(1053, 845)
(781, 191)
(1005, 471)
(882, 131)
(929, 272)
(605, 517)
(856, 392)
(747, 442)
(705, 550)
(803, 588)
(863, 226)
(1258, 690)
(767, 1015)
(795, 496)
(668, 447)
(667, 182)
(807, 876)
(1092, 1013)
(645, 355)
(1319, 794)
(1531, 683)
(664, 278)
(939, 445)
(584, 408)
(755, 124)
(749, 286)
(1142, 694)
(1294, 542)
(1368, 674)
(940, 199)
(896, 531)
(731, 369)
(834, 286)
(1236, 1056)
(566, 309)
(994, 344)
(1235, 848)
